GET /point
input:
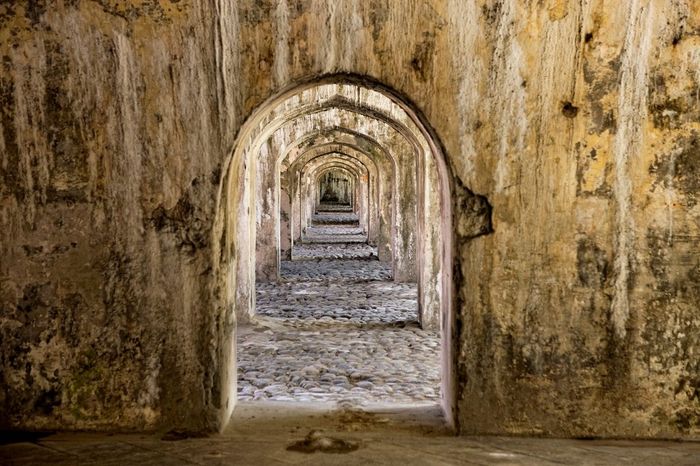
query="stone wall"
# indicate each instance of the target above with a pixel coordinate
(577, 120)
(110, 146)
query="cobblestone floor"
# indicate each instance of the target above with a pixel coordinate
(334, 208)
(323, 218)
(349, 365)
(337, 331)
(335, 226)
(335, 234)
(331, 233)
(358, 303)
(333, 270)
(334, 251)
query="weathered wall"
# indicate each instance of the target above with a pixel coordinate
(109, 159)
(580, 311)
(578, 120)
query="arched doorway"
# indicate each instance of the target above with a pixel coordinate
(415, 204)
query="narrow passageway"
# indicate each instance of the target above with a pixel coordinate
(336, 327)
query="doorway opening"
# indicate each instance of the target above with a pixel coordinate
(336, 256)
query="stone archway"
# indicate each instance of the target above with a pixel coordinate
(347, 146)
(383, 116)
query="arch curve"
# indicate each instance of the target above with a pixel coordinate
(237, 218)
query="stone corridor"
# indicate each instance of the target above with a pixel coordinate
(398, 231)
(336, 328)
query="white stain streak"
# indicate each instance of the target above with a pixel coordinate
(332, 59)
(464, 29)
(128, 166)
(694, 59)
(228, 63)
(281, 63)
(353, 29)
(670, 193)
(628, 142)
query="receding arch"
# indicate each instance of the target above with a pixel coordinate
(234, 227)
(361, 146)
(371, 218)
(294, 126)
(349, 171)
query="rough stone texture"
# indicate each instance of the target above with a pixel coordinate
(360, 302)
(108, 179)
(577, 120)
(579, 313)
(334, 251)
(351, 342)
(333, 270)
(353, 366)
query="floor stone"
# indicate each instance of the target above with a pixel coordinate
(324, 218)
(354, 365)
(265, 433)
(334, 227)
(337, 331)
(334, 208)
(333, 270)
(328, 231)
(334, 234)
(361, 302)
(334, 251)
